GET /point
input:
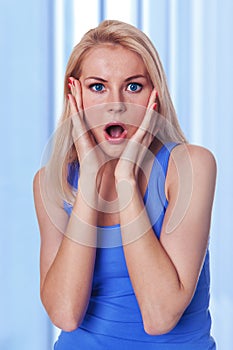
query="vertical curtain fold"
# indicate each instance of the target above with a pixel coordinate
(36, 38)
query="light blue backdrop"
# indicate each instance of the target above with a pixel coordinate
(193, 38)
(26, 122)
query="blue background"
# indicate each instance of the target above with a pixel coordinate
(193, 38)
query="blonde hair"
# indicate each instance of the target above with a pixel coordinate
(128, 36)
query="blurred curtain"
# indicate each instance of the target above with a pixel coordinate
(36, 38)
(26, 122)
(193, 39)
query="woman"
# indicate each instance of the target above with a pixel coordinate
(124, 206)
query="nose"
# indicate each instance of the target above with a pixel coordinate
(116, 103)
(116, 107)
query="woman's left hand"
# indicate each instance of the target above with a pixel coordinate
(131, 159)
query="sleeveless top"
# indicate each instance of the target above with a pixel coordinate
(113, 320)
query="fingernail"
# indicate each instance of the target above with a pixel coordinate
(69, 86)
(154, 106)
(68, 96)
(69, 79)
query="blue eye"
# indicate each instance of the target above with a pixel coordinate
(134, 87)
(98, 87)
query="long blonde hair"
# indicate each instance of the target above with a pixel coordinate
(128, 36)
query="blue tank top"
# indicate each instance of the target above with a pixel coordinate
(113, 320)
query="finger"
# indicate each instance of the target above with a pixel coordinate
(77, 122)
(147, 130)
(153, 114)
(149, 111)
(76, 91)
(147, 125)
(152, 99)
(73, 105)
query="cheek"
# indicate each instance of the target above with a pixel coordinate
(144, 98)
(135, 115)
(92, 110)
(87, 100)
(94, 116)
(97, 117)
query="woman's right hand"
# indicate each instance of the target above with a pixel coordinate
(90, 156)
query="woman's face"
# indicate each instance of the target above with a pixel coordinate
(115, 92)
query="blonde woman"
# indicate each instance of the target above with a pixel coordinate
(124, 206)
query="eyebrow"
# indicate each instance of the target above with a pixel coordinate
(136, 77)
(96, 78)
(126, 80)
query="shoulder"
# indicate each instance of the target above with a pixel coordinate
(202, 156)
(195, 153)
(38, 182)
(39, 194)
(38, 179)
(198, 157)
(49, 207)
(39, 189)
(191, 162)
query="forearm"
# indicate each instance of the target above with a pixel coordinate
(155, 280)
(66, 289)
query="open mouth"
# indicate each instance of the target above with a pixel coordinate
(115, 132)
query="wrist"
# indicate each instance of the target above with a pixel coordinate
(126, 189)
(87, 192)
(82, 231)
(124, 183)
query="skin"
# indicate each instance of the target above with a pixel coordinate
(116, 101)
(176, 259)
(116, 71)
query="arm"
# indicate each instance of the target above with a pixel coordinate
(66, 266)
(68, 246)
(164, 272)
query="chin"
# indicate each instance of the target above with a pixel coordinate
(113, 151)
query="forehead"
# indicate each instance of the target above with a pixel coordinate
(113, 58)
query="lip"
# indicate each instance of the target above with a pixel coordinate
(115, 140)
